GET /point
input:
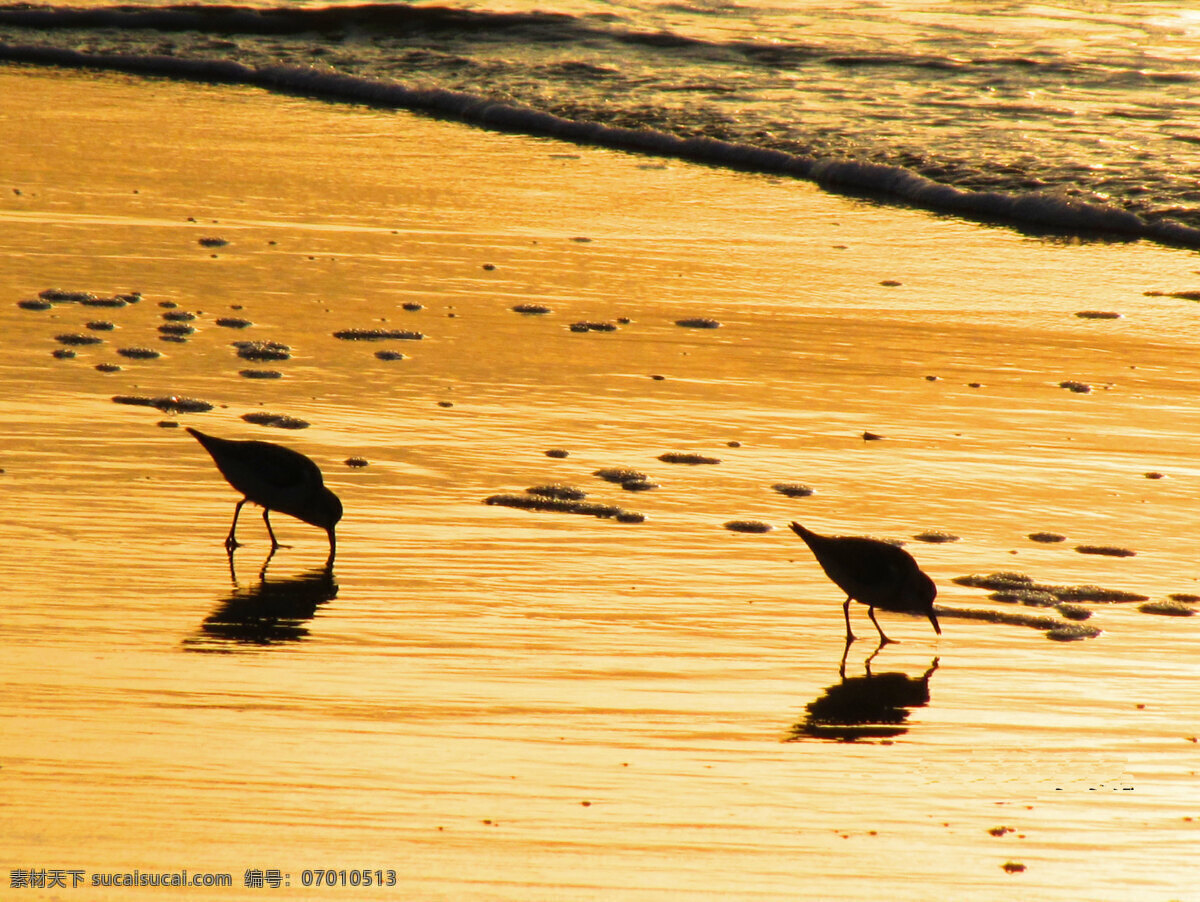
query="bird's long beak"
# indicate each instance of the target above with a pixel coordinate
(333, 550)
(933, 619)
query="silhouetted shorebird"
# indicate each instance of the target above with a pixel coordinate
(276, 479)
(875, 573)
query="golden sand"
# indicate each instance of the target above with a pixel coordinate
(492, 702)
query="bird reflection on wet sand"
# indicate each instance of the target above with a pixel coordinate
(872, 706)
(269, 612)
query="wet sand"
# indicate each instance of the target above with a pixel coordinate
(500, 703)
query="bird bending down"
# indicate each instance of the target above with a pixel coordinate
(276, 479)
(875, 573)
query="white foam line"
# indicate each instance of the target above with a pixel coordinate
(1040, 210)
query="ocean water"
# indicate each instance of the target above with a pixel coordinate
(1073, 117)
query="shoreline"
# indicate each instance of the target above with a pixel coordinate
(1043, 214)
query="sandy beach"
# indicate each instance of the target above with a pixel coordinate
(486, 702)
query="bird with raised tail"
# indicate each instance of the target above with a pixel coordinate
(276, 479)
(874, 573)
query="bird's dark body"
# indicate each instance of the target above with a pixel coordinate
(875, 573)
(276, 479)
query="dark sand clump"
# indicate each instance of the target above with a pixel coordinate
(698, 322)
(108, 368)
(1098, 314)
(679, 457)
(754, 526)
(213, 242)
(1047, 538)
(1080, 388)
(1107, 550)
(176, 330)
(100, 325)
(263, 350)
(531, 309)
(260, 374)
(621, 475)
(165, 403)
(63, 353)
(561, 492)
(139, 353)
(639, 485)
(1168, 608)
(1016, 582)
(558, 453)
(588, 326)
(793, 489)
(389, 355)
(233, 322)
(412, 306)
(935, 536)
(178, 316)
(377, 335)
(276, 420)
(34, 304)
(1058, 630)
(559, 505)
(356, 462)
(77, 339)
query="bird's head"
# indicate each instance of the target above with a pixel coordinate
(327, 511)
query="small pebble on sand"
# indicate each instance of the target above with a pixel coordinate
(100, 325)
(698, 322)
(1080, 388)
(356, 462)
(234, 322)
(34, 304)
(260, 374)
(872, 437)
(412, 306)
(590, 326)
(108, 368)
(178, 316)
(531, 309)
(389, 355)
(558, 453)
(213, 242)
(1098, 314)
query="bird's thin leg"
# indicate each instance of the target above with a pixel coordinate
(262, 571)
(230, 541)
(883, 640)
(845, 653)
(850, 637)
(267, 519)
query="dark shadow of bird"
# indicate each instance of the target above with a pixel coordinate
(269, 612)
(878, 574)
(873, 706)
(276, 479)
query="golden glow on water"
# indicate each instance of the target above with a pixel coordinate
(511, 705)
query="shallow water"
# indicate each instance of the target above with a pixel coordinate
(498, 703)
